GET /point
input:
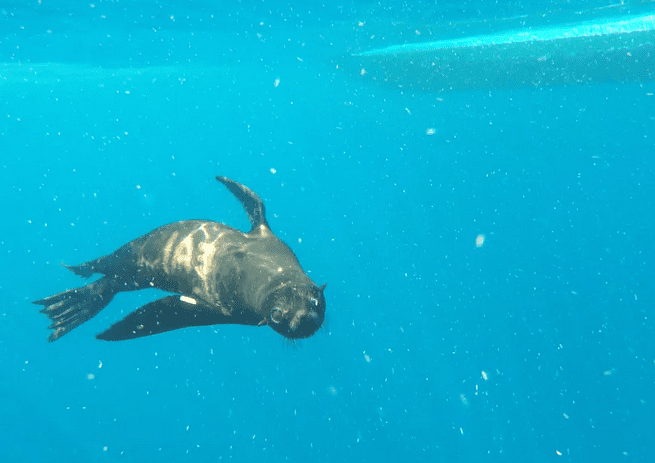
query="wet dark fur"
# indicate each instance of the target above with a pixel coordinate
(218, 275)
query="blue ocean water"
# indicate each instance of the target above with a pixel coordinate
(487, 253)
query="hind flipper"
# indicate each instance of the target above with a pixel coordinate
(83, 270)
(167, 314)
(118, 260)
(70, 309)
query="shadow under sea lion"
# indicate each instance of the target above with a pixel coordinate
(219, 275)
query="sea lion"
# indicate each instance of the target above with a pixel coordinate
(219, 275)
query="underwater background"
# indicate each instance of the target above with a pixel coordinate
(488, 252)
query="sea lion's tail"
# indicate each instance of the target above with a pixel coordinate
(71, 308)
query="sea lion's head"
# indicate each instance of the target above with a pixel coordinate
(296, 312)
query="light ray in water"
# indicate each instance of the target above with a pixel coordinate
(618, 50)
(626, 25)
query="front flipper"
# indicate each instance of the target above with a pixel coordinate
(252, 203)
(167, 314)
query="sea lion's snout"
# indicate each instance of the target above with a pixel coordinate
(298, 313)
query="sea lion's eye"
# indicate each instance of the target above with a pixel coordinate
(313, 300)
(276, 315)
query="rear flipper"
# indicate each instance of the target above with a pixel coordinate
(84, 270)
(108, 264)
(71, 308)
(167, 314)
